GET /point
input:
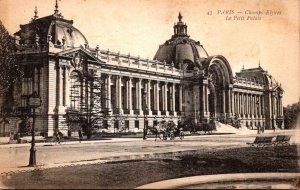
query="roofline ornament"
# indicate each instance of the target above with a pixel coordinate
(35, 14)
(56, 11)
(180, 28)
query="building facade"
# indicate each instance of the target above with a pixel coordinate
(181, 83)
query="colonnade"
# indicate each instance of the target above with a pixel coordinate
(248, 105)
(124, 95)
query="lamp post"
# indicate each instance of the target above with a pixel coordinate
(144, 110)
(34, 102)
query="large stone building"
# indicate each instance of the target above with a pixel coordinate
(182, 82)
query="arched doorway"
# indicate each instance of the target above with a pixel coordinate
(216, 101)
(219, 79)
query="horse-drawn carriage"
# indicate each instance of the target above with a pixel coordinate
(172, 134)
(165, 131)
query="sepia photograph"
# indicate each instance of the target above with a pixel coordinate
(149, 94)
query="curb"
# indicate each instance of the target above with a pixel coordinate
(219, 178)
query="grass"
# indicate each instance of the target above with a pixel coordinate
(133, 173)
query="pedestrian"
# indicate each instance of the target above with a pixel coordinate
(80, 135)
(18, 138)
(57, 136)
(258, 129)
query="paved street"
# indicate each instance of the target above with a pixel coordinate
(15, 157)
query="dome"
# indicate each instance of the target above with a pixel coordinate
(180, 48)
(52, 28)
(72, 36)
(258, 75)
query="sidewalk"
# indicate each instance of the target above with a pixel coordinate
(28, 144)
(40, 141)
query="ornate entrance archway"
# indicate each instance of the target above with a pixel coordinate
(219, 80)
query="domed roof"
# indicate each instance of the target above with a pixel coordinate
(65, 31)
(258, 75)
(180, 48)
(53, 28)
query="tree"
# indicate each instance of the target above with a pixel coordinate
(290, 115)
(10, 71)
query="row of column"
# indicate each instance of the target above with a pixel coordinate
(160, 92)
(277, 108)
(250, 104)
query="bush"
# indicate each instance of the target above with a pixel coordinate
(290, 115)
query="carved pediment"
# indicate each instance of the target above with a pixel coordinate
(77, 55)
(77, 60)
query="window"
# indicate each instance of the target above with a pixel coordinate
(136, 124)
(105, 126)
(116, 124)
(126, 124)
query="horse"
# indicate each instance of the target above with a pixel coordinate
(178, 133)
(156, 131)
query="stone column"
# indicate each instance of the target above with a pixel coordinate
(229, 103)
(139, 96)
(165, 98)
(180, 98)
(263, 112)
(232, 103)
(149, 97)
(108, 93)
(156, 97)
(253, 105)
(251, 114)
(61, 88)
(162, 88)
(256, 105)
(129, 96)
(242, 103)
(238, 103)
(206, 99)
(173, 100)
(280, 105)
(119, 94)
(68, 89)
(249, 105)
(203, 100)
(224, 103)
(246, 104)
(259, 105)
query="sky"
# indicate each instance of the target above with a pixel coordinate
(223, 27)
